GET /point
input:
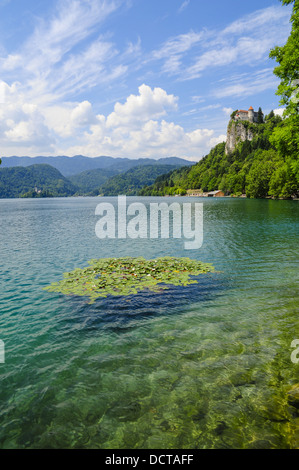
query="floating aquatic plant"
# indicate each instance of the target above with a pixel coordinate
(127, 276)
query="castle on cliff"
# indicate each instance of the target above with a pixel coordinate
(250, 115)
(237, 131)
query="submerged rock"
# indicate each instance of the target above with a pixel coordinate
(293, 400)
(293, 396)
(221, 427)
(260, 444)
(242, 379)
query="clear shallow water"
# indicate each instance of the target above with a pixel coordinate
(206, 366)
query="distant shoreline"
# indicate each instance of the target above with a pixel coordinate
(232, 196)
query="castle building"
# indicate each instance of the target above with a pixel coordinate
(237, 131)
(250, 115)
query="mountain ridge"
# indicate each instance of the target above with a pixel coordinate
(70, 166)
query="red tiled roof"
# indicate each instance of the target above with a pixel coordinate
(242, 111)
(251, 108)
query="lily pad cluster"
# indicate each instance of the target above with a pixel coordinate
(127, 276)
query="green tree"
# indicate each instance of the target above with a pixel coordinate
(260, 116)
(282, 183)
(288, 68)
(286, 136)
(270, 115)
(258, 178)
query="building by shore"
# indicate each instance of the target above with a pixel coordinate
(199, 193)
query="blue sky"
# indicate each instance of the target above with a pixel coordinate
(133, 78)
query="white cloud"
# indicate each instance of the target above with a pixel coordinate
(178, 45)
(173, 49)
(227, 111)
(66, 55)
(22, 124)
(73, 22)
(55, 63)
(136, 128)
(244, 42)
(148, 104)
(258, 20)
(210, 106)
(11, 62)
(153, 139)
(172, 65)
(6, 91)
(83, 114)
(65, 120)
(198, 99)
(279, 111)
(211, 58)
(86, 69)
(249, 84)
(121, 135)
(183, 6)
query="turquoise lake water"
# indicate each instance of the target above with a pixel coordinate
(204, 366)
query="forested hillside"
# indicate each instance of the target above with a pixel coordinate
(132, 181)
(34, 181)
(256, 168)
(88, 182)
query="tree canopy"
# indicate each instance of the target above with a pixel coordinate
(286, 137)
(287, 57)
(34, 181)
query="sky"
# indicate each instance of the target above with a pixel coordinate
(133, 78)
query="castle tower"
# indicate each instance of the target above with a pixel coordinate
(251, 114)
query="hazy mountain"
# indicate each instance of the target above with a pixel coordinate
(69, 166)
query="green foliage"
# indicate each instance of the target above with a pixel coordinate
(38, 194)
(282, 182)
(21, 181)
(260, 116)
(133, 180)
(88, 182)
(288, 68)
(285, 137)
(258, 178)
(127, 276)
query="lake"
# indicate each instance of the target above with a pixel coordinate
(196, 367)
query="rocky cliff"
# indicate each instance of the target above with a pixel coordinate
(237, 132)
